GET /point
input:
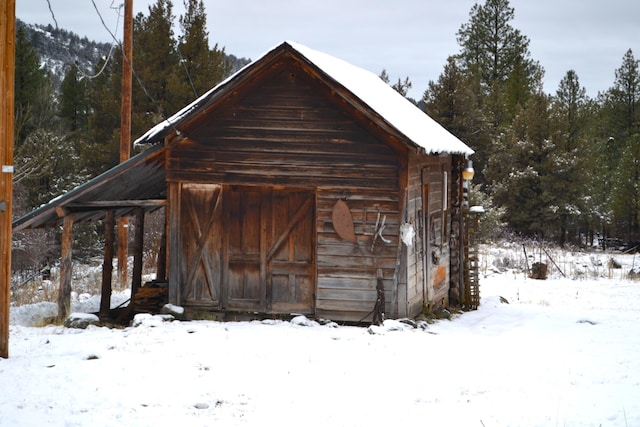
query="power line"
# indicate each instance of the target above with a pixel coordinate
(186, 70)
(133, 71)
(106, 62)
(52, 14)
(111, 49)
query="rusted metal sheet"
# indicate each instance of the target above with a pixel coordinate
(343, 222)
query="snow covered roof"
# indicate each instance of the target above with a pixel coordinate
(395, 109)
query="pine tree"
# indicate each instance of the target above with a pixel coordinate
(522, 164)
(496, 57)
(384, 76)
(402, 86)
(620, 132)
(567, 180)
(159, 92)
(492, 48)
(74, 105)
(452, 102)
(203, 67)
(101, 151)
(32, 105)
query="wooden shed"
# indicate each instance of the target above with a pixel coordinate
(301, 184)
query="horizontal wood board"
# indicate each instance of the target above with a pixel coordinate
(288, 130)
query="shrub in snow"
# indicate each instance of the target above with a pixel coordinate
(634, 273)
(81, 320)
(614, 263)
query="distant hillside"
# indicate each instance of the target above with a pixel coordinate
(59, 48)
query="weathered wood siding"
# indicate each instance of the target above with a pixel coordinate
(428, 209)
(293, 132)
(289, 131)
(346, 270)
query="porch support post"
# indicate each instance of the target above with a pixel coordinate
(107, 265)
(64, 291)
(172, 212)
(138, 243)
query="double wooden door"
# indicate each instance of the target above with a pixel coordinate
(247, 248)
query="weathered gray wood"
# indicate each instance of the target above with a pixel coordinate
(301, 213)
(200, 246)
(138, 246)
(107, 265)
(277, 137)
(267, 140)
(161, 262)
(111, 204)
(66, 269)
(174, 251)
(270, 260)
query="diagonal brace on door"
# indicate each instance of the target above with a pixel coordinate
(201, 240)
(292, 223)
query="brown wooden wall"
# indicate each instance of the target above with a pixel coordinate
(347, 271)
(431, 218)
(290, 131)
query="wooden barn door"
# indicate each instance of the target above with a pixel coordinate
(243, 208)
(270, 250)
(201, 244)
(291, 255)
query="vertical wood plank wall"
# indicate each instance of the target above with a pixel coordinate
(430, 254)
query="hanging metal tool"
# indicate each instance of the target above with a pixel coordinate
(377, 232)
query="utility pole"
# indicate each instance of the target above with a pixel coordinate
(7, 73)
(125, 132)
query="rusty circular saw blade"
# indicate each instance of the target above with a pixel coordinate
(343, 222)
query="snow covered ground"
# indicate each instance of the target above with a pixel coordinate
(562, 352)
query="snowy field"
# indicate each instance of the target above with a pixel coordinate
(562, 352)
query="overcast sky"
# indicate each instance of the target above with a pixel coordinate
(408, 38)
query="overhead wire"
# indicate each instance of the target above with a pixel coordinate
(186, 70)
(52, 14)
(111, 49)
(133, 71)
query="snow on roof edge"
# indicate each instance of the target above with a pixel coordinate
(401, 113)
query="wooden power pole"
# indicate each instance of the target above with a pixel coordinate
(125, 132)
(7, 73)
